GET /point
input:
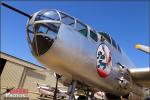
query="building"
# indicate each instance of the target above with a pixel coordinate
(22, 74)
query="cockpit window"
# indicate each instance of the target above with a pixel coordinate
(106, 36)
(114, 43)
(80, 27)
(119, 49)
(48, 15)
(93, 35)
(47, 28)
(44, 28)
(67, 19)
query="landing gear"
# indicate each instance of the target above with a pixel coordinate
(115, 97)
(81, 97)
(86, 95)
(83, 92)
(71, 90)
(110, 96)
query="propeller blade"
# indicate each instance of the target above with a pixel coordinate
(143, 48)
(16, 10)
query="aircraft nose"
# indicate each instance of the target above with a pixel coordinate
(42, 37)
(41, 44)
(42, 30)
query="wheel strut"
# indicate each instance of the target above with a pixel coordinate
(71, 90)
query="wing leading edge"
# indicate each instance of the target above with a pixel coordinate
(141, 76)
(143, 48)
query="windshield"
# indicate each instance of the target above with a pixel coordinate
(42, 30)
(48, 15)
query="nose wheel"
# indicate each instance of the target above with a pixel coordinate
(82, 98)
(83, 94)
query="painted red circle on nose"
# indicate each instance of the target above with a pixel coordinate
(101, 72)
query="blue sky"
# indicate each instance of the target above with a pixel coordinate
(126, 21)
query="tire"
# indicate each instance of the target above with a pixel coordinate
(81, 97)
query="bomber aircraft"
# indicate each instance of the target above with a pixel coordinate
(84, 59)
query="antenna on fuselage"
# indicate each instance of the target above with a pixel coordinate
(16, 10)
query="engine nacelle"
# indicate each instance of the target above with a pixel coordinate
(125, 79)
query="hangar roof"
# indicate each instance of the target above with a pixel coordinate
(20, 61)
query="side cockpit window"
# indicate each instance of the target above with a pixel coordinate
(93, 35)
(48, 15)
(119, 49)
(105, 36)
(67, 19)
(80, 27)
(114, 43)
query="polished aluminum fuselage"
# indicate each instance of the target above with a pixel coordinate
(74, 56)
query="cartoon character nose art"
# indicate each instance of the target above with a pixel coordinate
(104, 60)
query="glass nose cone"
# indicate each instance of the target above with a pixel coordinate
(41, 44)
(42, 30)
(42, 37)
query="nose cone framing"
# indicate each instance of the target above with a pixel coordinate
(42, 30)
